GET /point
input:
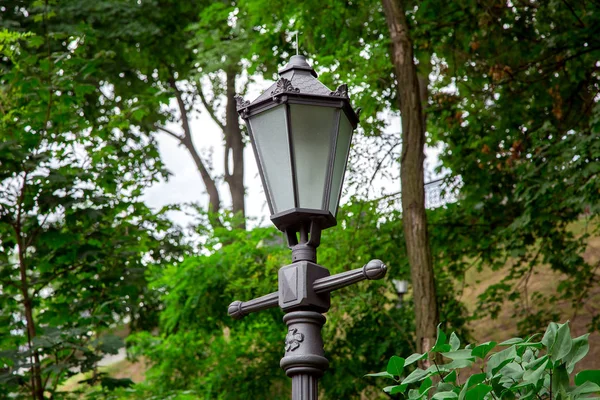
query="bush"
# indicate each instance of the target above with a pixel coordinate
(523, 369)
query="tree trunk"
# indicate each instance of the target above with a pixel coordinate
(214, 200)
(37, 388)
(411, 174)
(234, 150)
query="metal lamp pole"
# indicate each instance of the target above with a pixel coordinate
(304, 289)
(301, 132)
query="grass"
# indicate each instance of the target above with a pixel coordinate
(121, 369)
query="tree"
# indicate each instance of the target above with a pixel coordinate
(210, 61)
(75, 240)
(174, 49)
(221, 42)
(516, 106)
(202, 350)
(410, 99)
(199, 348)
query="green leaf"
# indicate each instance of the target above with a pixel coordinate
(586, 388)
(590, 375)
(454, 342)
(475, 380)
(417, 375)
(138, 114)
(384, 374)
(451, 377)
(478, 392)
(425, 385)
(460, 355)
(560, 379)
(415, 357)
(562, 343)
(109, 344)
(395, 389)
(114, 383)
(525, 345)
(506, 394)
(550, 335)
(471, 381)
(579, 350)
(529, 395)
(512, 371)
(395, 366)
(440, 343)
(444, 395)
(483, 349)
(512, 341)
(445, 386)
(536, 363)
(454, 364)
(528, 356)
(500, 359)
(533, 376)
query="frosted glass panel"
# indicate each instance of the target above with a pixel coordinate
(342, 149)
(311, 142)
(270, 135)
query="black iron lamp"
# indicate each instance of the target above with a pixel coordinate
(301, 132)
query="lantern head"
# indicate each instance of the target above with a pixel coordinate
(301, 132)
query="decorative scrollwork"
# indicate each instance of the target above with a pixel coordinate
(240, 102)
(293, 340)
(284, 85)
(341, 91)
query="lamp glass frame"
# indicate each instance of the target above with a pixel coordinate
(293, 216)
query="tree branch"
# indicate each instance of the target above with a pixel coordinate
(169, 132)
(578, 19)
(185, 123)
(209, 108)
(47, 279)
(382, 160)
(209, 182)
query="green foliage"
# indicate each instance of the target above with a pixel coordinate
(514, 105)
(201, 349)
(75, 238)
(524, 369)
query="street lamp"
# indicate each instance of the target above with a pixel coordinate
(301, 133)
(401, 287)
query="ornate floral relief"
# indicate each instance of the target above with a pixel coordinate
(341, 91)
(293, 340)
(284, 85)
(240, 102)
